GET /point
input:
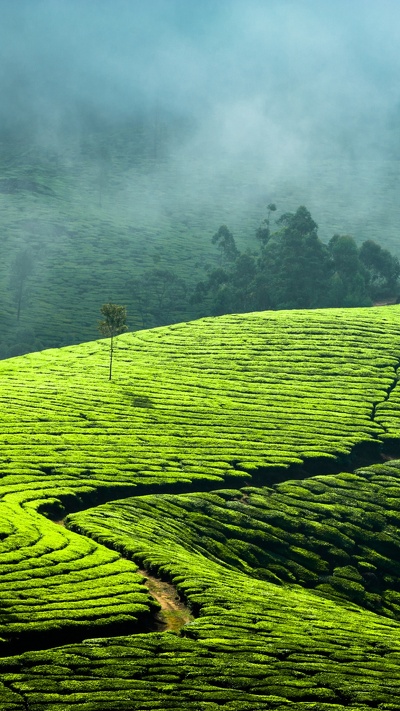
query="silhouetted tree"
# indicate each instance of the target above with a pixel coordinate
(383, 270)
(21, 269)
(114, 323)
(295, 269)
(348, 284)
(226, 244)
(263, 233)
(301, 262)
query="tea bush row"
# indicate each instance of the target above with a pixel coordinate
(337, 534)
(213, 399)
(279, 576)
(255, 644)
(54, 581)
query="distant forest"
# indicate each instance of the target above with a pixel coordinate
(118, 219)
(291, 269)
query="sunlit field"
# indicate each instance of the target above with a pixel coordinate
(199, 356)
(220, 459)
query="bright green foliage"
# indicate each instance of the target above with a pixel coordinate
(294, 585)
(214, 399)
(388, 417)
(255, 644)
(53, 582)
(336, 534)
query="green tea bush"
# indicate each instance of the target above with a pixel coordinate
(295, 584)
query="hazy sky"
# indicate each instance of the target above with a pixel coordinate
(286, 83)
(295, 66)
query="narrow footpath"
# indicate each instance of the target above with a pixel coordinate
(173, 614)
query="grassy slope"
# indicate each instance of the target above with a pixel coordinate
(334, 539)
(205, 400)
(92, 222)
(290, 597)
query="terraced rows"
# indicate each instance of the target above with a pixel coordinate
(256, 644)
(387, 415)
(55, 584)
(214, 404)
(335, 534)
(202, 403)
(207, 400)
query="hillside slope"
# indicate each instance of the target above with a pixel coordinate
(108, 205)
(224, 448)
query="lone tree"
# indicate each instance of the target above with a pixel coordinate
(114, 323)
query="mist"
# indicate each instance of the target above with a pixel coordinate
(281, 85)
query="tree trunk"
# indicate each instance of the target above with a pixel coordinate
(111, 357)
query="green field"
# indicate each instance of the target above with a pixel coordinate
(247, 461)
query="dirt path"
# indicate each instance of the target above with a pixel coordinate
(174, 613)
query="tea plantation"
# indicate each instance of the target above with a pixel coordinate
(232, 457)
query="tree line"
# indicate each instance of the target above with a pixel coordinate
(290, 268)
(293, 269)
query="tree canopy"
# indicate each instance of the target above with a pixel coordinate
(113, 324)
(293, 268)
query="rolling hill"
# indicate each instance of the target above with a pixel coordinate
(250, 462)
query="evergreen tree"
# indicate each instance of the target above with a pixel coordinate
(226, 244)
(348, 284)
(295, 269)
(263, 233)
(301, 262)
(383, 270)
